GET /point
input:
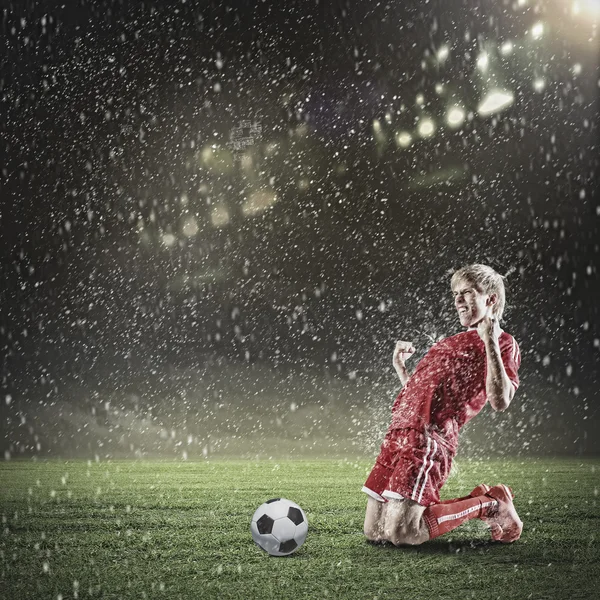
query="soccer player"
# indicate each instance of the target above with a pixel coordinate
(450, 385)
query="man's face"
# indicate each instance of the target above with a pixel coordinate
(471, 303)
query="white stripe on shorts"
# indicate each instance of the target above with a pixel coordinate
(373, 494)
(389, 495)
(429, 454)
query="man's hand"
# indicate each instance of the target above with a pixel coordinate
(402, 352)
(489, 329)
(498, 387)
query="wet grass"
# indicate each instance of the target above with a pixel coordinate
(125, 529)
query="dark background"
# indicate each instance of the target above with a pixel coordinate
(137, 320)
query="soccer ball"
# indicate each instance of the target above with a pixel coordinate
(279, 527)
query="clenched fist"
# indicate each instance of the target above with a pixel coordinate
(402, 352)
(489, 329)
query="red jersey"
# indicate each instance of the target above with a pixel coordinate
(447, 388)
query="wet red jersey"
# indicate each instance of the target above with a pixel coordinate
(447, 388)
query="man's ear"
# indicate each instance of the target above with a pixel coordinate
(491, 301)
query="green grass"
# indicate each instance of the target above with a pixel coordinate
(125, 529)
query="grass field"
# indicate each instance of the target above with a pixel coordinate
(125, 529)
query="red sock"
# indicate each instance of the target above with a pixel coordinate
(442, 518)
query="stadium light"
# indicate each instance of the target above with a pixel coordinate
(455, 116)
(495, 102)
(442, 53)
(483, 62)
(219, 215)
(586, 9)
(537, 31)
(403, 139)
(168, 239)
(378, 132)
(426, 128)
(190, 227)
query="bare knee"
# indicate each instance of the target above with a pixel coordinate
(373, 534)
(404, 524)
(373, 528)
(404, 536)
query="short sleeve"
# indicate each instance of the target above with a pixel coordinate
(511, 358)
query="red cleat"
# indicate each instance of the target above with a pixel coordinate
(503, 519)
(480, 490)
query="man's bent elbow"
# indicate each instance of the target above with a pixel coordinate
(500, 404)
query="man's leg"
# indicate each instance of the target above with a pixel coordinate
(495, 508)
(374, 520)
(407, 522)
(404, 523)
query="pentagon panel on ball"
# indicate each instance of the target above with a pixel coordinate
(279, 527)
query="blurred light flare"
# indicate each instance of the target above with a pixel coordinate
(259, 201)
(168, 239)
(456, 116)
(219, 215)
(443, 53)
(426, 128)
(495, 101)
(586, 9)
(537, 31)
(190, 227)
(403, 139)
(483, 62)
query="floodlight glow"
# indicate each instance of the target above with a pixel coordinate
(455, 117)
(589, 8)
(219, 215)
(442, 53)
(426, 128)
(506, 48)
(206, 154)
(576, 69)
(537, 31)
(403, 139)
(168, 239)
(420, 100)
(439, 88)
(378, 132)
(495, 102)
(539, 84)
(259, 201)
(483, 62)
(190, 227)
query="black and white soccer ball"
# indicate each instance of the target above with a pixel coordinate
(279, 526)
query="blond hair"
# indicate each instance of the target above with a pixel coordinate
(486, 280)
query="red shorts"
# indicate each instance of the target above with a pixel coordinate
(411, 464)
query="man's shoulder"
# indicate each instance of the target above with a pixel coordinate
(507, 338)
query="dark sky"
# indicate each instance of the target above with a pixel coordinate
(139, 244)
